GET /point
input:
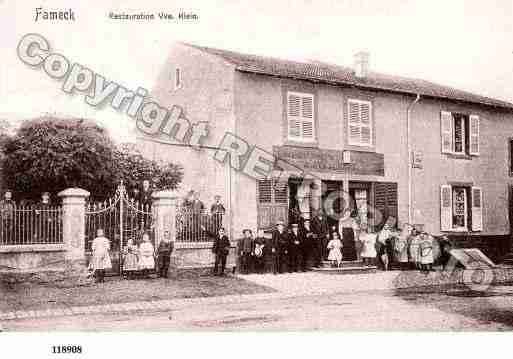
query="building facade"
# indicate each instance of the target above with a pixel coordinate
(388, 148)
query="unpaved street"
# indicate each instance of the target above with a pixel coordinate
(356, 309)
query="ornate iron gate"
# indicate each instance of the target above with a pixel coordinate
(122, 219)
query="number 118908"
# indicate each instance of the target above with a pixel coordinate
(66, 349)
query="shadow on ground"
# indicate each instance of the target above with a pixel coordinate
(492, 304)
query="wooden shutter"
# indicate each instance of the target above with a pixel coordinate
(366, 128)
(354, 123)
(446, 133)
(359, 123)
(477, 209)
(300, 114)
(272, 204)
(445, 208)
(385, 201)
(294, 115)
(307, 118)
(474, 134)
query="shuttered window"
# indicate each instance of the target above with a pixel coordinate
(359, 123)
(272, 198)
(459, 134)
(300, 117)
(455, 214)
(385, 204)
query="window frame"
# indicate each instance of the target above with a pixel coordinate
(466, 226)
(369, 126)
(301, 138)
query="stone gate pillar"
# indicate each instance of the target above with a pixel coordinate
(73, 222)
(164, 206)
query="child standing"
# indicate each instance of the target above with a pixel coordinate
(164, 251)
(426, 252)
(146, 255)
(368, 245)
(335, 246)
(130, 260)
(101, 257)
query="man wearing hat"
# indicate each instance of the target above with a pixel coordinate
(311, 246)
(296, 248)
(245, 251)
(281, 243)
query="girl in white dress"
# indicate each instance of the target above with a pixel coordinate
(101, 256)
(335, 247)
(368, 245)
(146, 255)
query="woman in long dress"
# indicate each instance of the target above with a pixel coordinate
(146, 255)
(101, 256)
(368, 241)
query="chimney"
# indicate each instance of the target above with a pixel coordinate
(361, 64)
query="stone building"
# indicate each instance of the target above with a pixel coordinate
(402, 148)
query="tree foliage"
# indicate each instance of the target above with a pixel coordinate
(49, 154)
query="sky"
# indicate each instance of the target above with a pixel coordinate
(464, 44)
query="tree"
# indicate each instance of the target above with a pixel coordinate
(51, 154)
(134, 168)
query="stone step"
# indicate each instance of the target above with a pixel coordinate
(343, 264)
(346, 270)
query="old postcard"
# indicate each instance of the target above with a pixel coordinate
(327, 166)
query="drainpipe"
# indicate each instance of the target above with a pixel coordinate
(408, 145)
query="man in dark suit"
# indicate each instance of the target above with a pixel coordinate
(295, 249)
(321, 231)
(280, 237)
(311, 247)
(221, 248)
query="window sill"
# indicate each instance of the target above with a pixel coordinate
(360, 148)
(459, 156)
(461, 232)
(295, 143)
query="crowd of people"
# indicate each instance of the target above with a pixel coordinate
(306, 246)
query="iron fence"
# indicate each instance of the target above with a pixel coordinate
(30, 224)
(196, 226)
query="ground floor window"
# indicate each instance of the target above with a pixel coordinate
(460, 208)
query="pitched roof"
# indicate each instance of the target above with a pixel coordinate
(340, 75)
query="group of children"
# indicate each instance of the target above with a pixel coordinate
(136, 259)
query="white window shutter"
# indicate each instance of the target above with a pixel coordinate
(294, 115)
(474, 134)
(307, 118)
(445, 208)
(477, 209)
(354, 123)
(446, 134)
(300, 114)
(365, 117)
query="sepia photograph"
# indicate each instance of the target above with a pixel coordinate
(319, 168)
